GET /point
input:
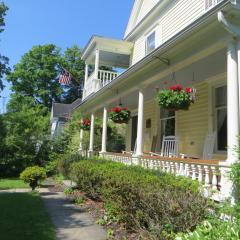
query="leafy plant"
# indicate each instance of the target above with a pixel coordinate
(175, 98)
(84, 124)
(119, 115)
(68, 191)
(80, 200)
(33, 175)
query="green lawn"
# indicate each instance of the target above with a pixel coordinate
(8, 183)
(23, 217)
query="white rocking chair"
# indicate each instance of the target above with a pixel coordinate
(169, 147)
(209, 146)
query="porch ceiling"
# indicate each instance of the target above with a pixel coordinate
(112, 51)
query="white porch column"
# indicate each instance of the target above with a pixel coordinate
(104, 131)
(139, 149)
(81, 142)
(90, 151)
(232, 101)
(238, 49)
(96, 69)
(85, 80)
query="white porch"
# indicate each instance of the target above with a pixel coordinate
(206, 59)
(104, 52)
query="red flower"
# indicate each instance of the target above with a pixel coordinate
(188, 90)
(86, 122)
(176, 87)
(165, 82)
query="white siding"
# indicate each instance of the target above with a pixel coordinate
(173, 19)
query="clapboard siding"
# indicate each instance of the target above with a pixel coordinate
(149, 113)
(181, 14)
(192, 125)
(170, 21)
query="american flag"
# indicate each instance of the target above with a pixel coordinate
(65, 77)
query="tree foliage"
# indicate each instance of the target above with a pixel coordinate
(36, 75)
(4, 69)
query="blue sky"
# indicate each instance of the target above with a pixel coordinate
(62, 22)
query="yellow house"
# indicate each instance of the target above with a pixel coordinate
(191, 43)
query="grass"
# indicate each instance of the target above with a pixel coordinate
(9, 183)
(23, 217)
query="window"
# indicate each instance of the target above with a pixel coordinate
(150, 42)
(167, 119)
(221, 117)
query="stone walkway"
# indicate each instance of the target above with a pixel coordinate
(71, 222)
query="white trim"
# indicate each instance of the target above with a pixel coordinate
(215, 83)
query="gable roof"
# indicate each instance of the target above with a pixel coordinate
(140, 9)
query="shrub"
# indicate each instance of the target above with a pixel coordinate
(65, 162)
(214, 229)
(33, 175)
(158, 202)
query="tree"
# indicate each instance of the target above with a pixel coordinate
(36, 75)
(4, 69)
(26, 142)
(75, 65)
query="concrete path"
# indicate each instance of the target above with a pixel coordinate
(71, 222)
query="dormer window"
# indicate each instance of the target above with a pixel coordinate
(150, 42)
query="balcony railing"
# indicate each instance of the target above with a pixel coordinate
(211, 3)
(106, 77)
(92, 84)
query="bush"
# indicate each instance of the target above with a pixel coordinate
(158, 202)
(65, 162)
(214, 230)
(33, 175)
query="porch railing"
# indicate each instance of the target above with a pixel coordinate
(211, 3)
(106, 77)
(210, 174)
(89, 85)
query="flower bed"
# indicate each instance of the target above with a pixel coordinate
(176, 98)
(159, 203)
(119, 115)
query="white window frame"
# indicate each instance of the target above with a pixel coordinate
(146, 41)
(215, 109)
(164, 119)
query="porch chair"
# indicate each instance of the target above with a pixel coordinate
(169, 147)
(209, 146)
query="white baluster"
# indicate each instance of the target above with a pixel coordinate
(187, 173)
(193, 171)
(200, 174)
(214, 177)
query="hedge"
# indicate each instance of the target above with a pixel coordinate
(157, 202)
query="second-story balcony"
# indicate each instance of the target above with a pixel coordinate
(104, 53)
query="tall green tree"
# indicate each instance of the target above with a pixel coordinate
(4, 69)
(73, 63)
(36, 75)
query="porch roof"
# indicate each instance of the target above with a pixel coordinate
(167, 50)
(113, 51)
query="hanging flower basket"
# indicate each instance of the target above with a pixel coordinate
(84, 124)
(176, 98)
(119, 115)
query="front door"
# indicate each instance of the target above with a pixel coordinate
(134, 132)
